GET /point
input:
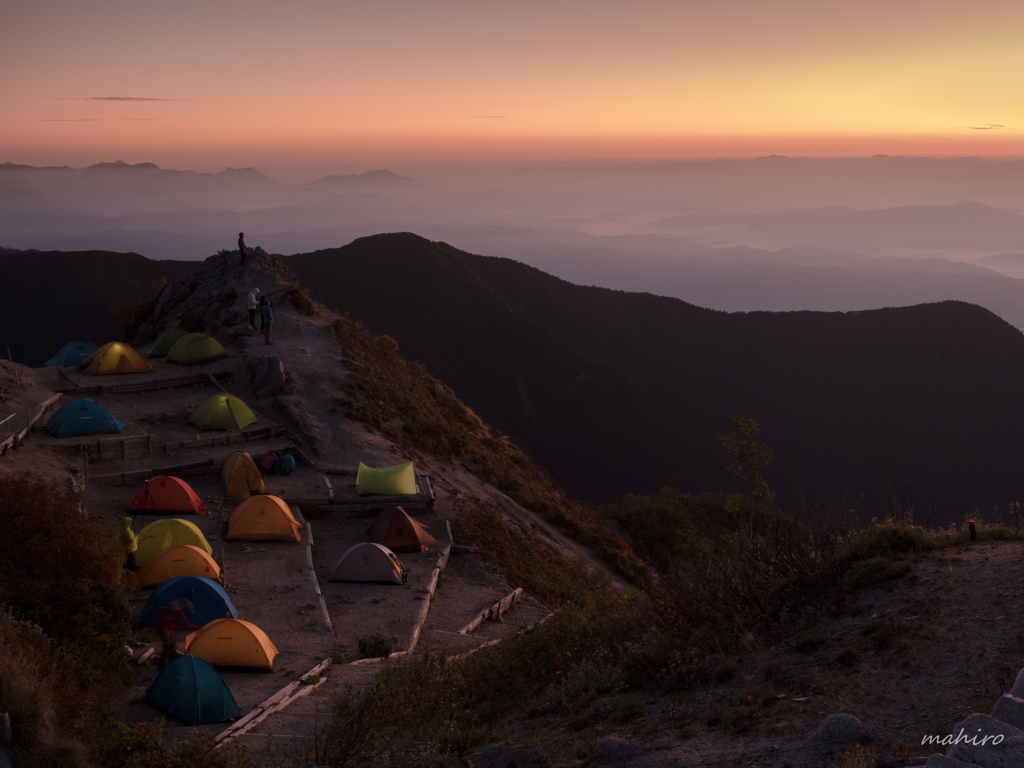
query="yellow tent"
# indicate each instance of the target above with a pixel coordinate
(222, 411)
(232, 643)
(166, 533)
(241, 476)
(114, 357)
(399, 480)
(263, 518)
(179, 560)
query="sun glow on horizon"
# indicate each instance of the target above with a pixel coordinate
(658, 80)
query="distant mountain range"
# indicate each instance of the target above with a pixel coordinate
(624, 392)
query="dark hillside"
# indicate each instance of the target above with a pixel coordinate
(52, 297)
(617, 392)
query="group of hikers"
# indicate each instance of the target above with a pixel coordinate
(265, 304)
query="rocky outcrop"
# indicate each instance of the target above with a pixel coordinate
(983, 741)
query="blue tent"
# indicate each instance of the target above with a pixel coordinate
(208, 598)
(191, 689)
(71, 354)
(82, 417)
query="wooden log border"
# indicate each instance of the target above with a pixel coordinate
(275, 703)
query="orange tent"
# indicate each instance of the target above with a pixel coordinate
(232, 643)
(179, 560)
(241, 476)
(400, 533)
(168, 494)
(263, 518)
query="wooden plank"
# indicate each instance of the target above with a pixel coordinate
(493, 612)
(312, 573)
(262, 710)
(441, 563)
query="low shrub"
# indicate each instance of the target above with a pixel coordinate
(374, 646)
(865, 572)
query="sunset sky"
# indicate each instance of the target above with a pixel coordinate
(354, 85)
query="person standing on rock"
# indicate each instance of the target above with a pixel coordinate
(252, 304)
(268, 320)
(241, 246)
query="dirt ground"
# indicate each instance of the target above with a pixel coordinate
(271, 583)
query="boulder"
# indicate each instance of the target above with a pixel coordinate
(513, 757)
(1010, 710)
(610, 751)
(837, 732)
(987, 742)
(269, 376)
(941, 761)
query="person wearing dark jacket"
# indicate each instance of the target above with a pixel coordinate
(241, 245)
(268, 321)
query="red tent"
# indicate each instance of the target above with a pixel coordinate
(168, 494)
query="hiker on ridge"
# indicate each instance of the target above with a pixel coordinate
(241, 246)
(252, 304)
(130, 543)
(268, 320)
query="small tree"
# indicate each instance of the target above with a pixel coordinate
(749, 456)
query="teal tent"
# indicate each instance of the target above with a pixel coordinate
(71, 354)
(191, 689)
(82, 417)
(208, 599)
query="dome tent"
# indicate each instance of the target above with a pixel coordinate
(399, 480)
(233, 643)
(222, 411)
(241, 476)
(177, 560)
(397, 531)
(168, 532)
(168, 494)
(163, 343)
(82, 417)
(191, 689)
(208, 598)
(263, 518)
(369, 562)
(114, 357)
(71, 354)
(196, 349)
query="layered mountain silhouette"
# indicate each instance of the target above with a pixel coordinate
(52, 297)
(622, 392)
(618, 392)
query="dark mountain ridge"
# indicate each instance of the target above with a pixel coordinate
(621, 392)
(618, 392)
(50, 298)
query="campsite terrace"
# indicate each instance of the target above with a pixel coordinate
(281, 587)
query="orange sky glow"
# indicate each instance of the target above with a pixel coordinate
(346, 85)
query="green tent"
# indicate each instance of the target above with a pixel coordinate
(222, 411)
(165, 341)
(399, 480)
(195, 349)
